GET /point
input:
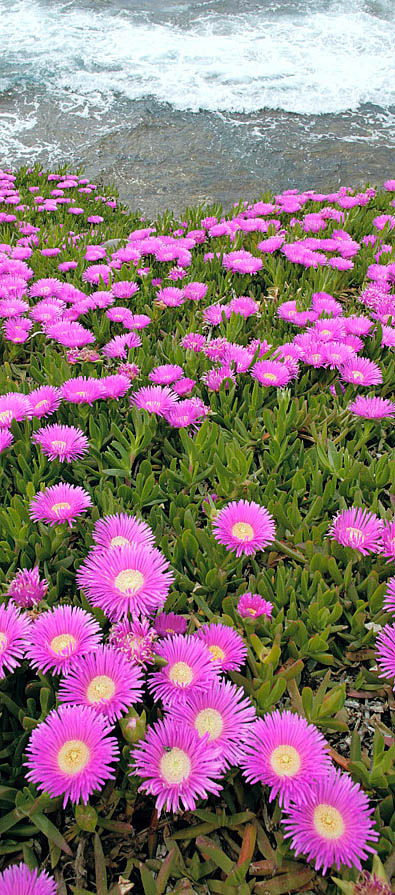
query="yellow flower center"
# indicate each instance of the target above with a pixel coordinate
(181, 674)
(316, 358)
(73, 756)
(41, 404)
(175, 766)
(217, 654)
(285, 761)
(3, 641)
(129, 581)
(271, 377)
(58, 445)
(209, 721)
(357, 376)
(100, 687)
(251, 610)
(355, 535)
(243, 531)
(6, 416)
(60, 508)
(81, 394)
(63, 642)
(325, 332)
(119, 541)
(328, 821)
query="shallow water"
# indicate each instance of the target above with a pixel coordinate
(214, 99)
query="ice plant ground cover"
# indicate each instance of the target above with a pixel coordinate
(197, 543)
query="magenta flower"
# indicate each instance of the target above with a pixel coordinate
(370, 884)
(385, 645)
(170, 623)
(357, 326)
(243, 305)
(189, 669)
(244, 527)
(359, 529)
(183, 386)
(13, 406)
(361, 371)
(19, 880)
(171, 297)
(135, 579)
(60, 636)
(121, 530)
(389, 596)
(186, 413)
(227, 649)
(82, 390)
(117, 347)
(97, 272)
(62, 442)
(115, 386)
(27, 589)
(124, 289)
(154, 399)
(59, 503)
(253, 605)
(242, 262)
(176, 766)
(6, 439)
(17, 329)
(333, 824)
(165, 374)
(224, 713)
(287, 754)
(71, 754)
(271, 373)
(138, 321)
(44, 401)
(214, 378)
(72, 335)
(195, 291)
(14, 629)
(372, 408)
(136, 640)
(104, 680)
(193, 342)
(13, 307)
(388, 539)
(216, 349)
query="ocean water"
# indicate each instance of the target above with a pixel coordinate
(200, 100)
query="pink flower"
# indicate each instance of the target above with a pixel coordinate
(359, 529)
(97, 272)
(193, 341)
(361, 371)
(271, 373)
(183, 386)
(20, 880)
(214, 378)
(154, 399)
(372, 407)
(59, 503)
(195, 291)
(227, 649)
(6, 439)
(124, 289)
(82, 390)
(223, 714)
(58, 637)
(62, 442)
(115, 386)
(186, 413)
(244, 527)
(333, 824)
(385, 645)
(14, 629)
(135, 640)
(287, 754)
(71, 753)
(103, 680)
(170, 623)
(134, 579)
(389, 596)
(13, 406)
(189, 669)
(165, 374)
(44, 401)
(120, 530)
(253, 605)
(27, 589)
(176, 766)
